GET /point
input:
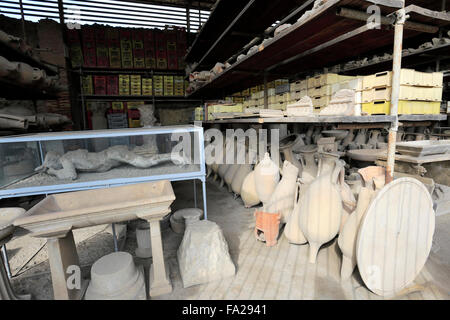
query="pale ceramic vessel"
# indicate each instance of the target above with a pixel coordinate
(283, 198)
(292, 230)
(308, 160)
(347, 237)
(229, 176)
(239, 177)
(321, 210)
(267, 176)
(348, 199)
(248, 191)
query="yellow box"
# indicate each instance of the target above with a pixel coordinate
(133, 123)
(323, 79)
(404, 107)
(278, 106)
(246, 92)
(135, 79)
(299, 85)
(320, 102)
(297, 95)
(283, 97)
(325, 90)
(134, 104)
(159, 91)
(408, 77)
(115, 105)
(88, 86)
(279, 82)
(124, 84)
(253, 89)
(406, 93)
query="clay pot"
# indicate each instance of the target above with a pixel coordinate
(308, 136)
(287, 145)
(229, 176)
(373, 138)
(369, 173)
(25, 73)
(327, 163)
(282, 199)
(321, 210)
(239, 177)
(223, 168)
(308, 160)
(6, 67)
(348, 199)
(267, 176)
(116, 277)
(361, 137)
(349, 138)
(347, 237)
(248, 191)
(292, 230)
(317, 134)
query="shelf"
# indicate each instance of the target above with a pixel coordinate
(138, 98)
(324, 39)
(14, 91)
(15, 55)
(105, 70)
(233, 24)
(333, 119)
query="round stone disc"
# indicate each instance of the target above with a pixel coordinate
(395, 236)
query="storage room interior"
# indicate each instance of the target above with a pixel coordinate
(224, 150)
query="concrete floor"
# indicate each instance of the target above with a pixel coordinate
(280, 272)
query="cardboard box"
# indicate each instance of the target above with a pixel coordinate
(87, 84)
(126, 46)
(138, 49)
(149, 47)
(112, 85)
(124, 84)
(100, 85)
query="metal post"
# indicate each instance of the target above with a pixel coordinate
(195, 194)
(22, 14)
(205, 210)
(113, 227)
(396, 70)
(6, 261)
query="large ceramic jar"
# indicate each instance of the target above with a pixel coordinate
(267, 176)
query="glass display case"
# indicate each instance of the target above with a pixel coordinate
(48, 163)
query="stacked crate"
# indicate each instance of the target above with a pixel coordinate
(124, 85)
(168, 86)
(161, 50)
(89, 52)
(420, 92)
(178, 84)
(100, 85)
(282, 95)
(134, 117)
(320, 88)
(112, 85)
(298, 90)
(135, 85)
(117, 107)
(87, 85)
(117, 120)
(76, 53)
(149, 47)
(147, 86)
(126, 46)
(181, 47)
(101, 43)
(138, 49)
(113, 37)
(158, 84)
(172, 55)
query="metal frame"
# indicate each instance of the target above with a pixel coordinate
(97, 184)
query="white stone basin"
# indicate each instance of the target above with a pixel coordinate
(80, 209)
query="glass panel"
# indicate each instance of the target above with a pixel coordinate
(100, 159)
(17, 161)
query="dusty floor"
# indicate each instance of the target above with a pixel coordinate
(280, 272)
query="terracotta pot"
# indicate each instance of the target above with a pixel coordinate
(308, 160)
(248, 191)
(369, 173)
(282, 199)
(292, 230)
(267, 176)
(349, 233)
(321, 210)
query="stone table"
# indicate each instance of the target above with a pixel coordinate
(56, 216)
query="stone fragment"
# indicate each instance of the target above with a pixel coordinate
(203, 255)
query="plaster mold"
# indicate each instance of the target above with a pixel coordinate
(302, 108)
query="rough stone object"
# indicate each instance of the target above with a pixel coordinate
(203, 255)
